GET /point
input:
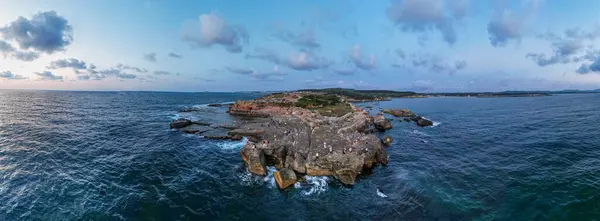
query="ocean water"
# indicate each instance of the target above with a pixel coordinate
(112, 156)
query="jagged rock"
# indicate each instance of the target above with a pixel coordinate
(180, 123)
(188, 109)
(416, 118)
(201, 123)
(399, 112)
(255, 133)
(304, 141)
(255, 159)
(218, 133)
(386, 140)
(193, 128)
(381, 123)
(424, 122)
(285, 178)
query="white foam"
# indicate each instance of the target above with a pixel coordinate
(229, 145)
(270, 179)
(174, 116)
(380, 194)
(416, 132)
(313, 185)
(249, 179)
(436, 123)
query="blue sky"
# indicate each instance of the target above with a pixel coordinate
(419, 45)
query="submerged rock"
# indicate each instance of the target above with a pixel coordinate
(285, 178)
(381, 123)
(180, 123)
(386, 140)
(193, 128)
(399, 112)
(217, 133)
(424, 122)
(215, 105)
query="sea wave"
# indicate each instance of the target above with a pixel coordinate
(380, 194)
(313, 185)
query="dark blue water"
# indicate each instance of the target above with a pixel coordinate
(111, 156)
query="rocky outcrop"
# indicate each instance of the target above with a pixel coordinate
(254, 158)
(194, 128)
(300, 141)
(386, 140)
(180, 123)
(285, 178)
(399, 112)
(424, 122)
(319, 146)
(381, 123)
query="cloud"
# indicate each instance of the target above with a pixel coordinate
(48, 76)
(360, 62)
(400, 53)
(26, 55)
(94, 74)
(421, 85)
(162, 73)
(436, 64)
(211, 30)
(127, 67)
(267, 55)
(150, 57)
(459, 65)
(509, 24)
(68, 63)
(10, 76)
(345, 71)
(44, 32)
(274, 75)
(305, 61)
(238, 70)
(594, 67)
(427, 15)
(7, 49)
(302, 61)
(173, 55)
(304, 39)
(567, 47)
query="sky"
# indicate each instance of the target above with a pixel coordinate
(264, 45)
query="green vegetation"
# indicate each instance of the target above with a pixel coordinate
(315, 100)
(325, 104)
(363, 94)
(336, 110)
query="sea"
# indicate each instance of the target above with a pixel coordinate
(111, 156)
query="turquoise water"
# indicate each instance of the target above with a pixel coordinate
(111, 156)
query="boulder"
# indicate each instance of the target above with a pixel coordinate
(285, 178)
(386, 140)
(180, 123)
(254, 157)
(399, 112)
(381, 123)
(424, 122)
(192, 129)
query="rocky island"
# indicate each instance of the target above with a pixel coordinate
(305, 133)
